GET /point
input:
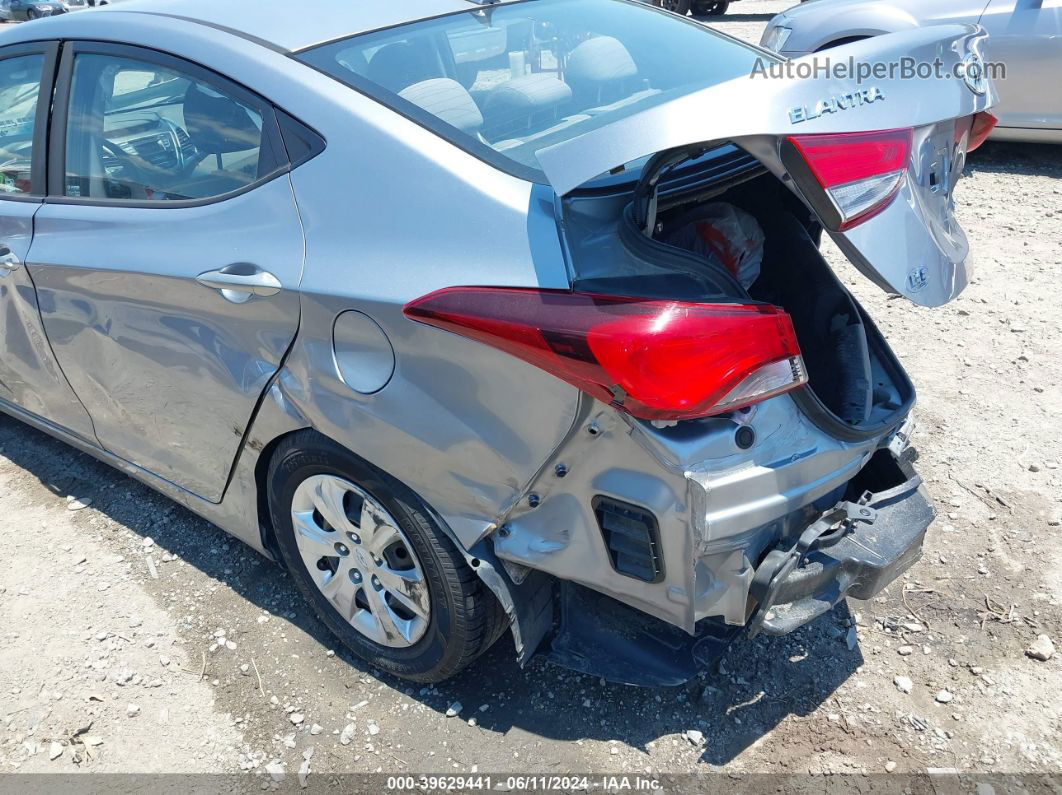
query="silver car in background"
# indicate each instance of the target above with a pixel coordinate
(1024, 35)
(396, 293)
(29, 10)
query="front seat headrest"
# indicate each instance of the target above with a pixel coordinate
(601, 59)
(218, 124)
(447, 100)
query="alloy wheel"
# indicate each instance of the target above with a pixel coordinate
(361, 561)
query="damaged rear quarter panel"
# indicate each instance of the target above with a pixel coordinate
(463, 425)
(718, 506)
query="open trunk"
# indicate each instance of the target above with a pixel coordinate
(876, 163)
(873, 166)
(856, 387)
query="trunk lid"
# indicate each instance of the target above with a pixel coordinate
(914, 247)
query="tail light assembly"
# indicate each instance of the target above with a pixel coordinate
(859, 174)
(654, 359)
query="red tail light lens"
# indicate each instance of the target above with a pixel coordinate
(981, 127)
(657, 360)
(860, 172)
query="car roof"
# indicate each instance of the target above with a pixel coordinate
(297, 24)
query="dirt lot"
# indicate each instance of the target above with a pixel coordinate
(137, 638)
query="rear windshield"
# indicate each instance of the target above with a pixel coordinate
(507, 81)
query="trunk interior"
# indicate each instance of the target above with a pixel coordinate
(856, 387)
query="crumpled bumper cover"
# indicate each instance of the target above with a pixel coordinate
(879, 538)
(863, 545)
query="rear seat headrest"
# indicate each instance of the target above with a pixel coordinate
(528, 94)
(446, 99)
(602, 59)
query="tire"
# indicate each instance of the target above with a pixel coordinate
(710, 8)
(32, 13)
(441, 632)
(680, 7)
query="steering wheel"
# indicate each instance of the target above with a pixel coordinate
(132, 175)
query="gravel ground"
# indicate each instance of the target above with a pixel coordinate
(137, 638)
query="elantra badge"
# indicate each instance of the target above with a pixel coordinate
(835, 104)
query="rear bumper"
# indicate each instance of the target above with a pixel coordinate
(882, 539)
(714, 509)
(794, 584)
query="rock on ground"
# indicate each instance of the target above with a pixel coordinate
(1042, 649)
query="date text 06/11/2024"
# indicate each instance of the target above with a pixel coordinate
(522, 783)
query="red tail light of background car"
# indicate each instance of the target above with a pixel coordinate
(657, 360)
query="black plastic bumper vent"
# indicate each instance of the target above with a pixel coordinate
(632, 537)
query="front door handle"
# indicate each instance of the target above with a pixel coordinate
(238, 283)
(8, 260)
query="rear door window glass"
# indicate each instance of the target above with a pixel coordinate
(147, 132)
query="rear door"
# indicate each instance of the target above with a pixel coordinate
(167, 258)
(1026, 36)
(29, 376)
(914, 246)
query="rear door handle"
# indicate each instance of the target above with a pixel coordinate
(238, 283)
(8, 260)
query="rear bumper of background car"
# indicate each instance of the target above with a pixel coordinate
(1037, 135)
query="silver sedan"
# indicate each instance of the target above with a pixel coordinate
(485, 318)
(1025, 36)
